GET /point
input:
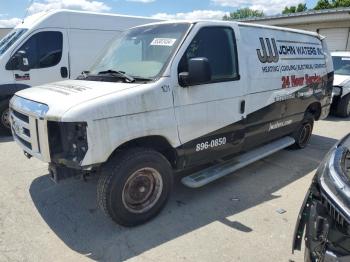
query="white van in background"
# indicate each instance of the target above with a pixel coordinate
(53, 46)
(341, 89)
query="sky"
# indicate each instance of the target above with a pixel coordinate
(12, 11)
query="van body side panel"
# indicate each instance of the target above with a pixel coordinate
(289, 71)
(285, 73)
(115, 112)
(202, 109)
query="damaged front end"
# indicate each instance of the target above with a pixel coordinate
(325, 214)
(68, 146)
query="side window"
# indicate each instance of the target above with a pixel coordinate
(43, 49)
(218, 45)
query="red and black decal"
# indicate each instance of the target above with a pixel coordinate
(24, 77)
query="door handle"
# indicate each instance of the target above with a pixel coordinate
(242, 107)
(64, 72)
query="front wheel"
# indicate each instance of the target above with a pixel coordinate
(303, 134)
(134, 187)
(5, 115)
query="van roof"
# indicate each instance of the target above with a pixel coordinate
(83, 20)
(219, 22)
(340, 53)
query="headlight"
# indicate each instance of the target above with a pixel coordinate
(67, 142)
(33, 107)
(334, 175)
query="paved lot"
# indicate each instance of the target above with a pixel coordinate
(233, 219)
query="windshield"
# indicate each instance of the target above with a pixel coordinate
(341, 65)
(142, 52)
(10, 38)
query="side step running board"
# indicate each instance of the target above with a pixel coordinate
(212, 173)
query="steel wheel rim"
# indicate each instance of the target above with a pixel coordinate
(5, 118)
(142, 190)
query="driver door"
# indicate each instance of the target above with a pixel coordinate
(209, 115)
(46, 54)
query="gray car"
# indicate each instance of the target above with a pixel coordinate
(325, 213)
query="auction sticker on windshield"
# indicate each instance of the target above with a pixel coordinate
(163, 41)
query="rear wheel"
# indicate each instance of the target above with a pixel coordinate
(134, 187)
(303, 134)
(5, 115)
(343, 108)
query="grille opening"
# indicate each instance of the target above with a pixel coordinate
(26, 132)
(25, 143)
(335, 214)
(21, 116)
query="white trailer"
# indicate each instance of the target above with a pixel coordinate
(53, 46)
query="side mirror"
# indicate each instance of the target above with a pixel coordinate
(18, 62)
(199, 72)
(23, 63)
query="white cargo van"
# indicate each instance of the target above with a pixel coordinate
(341, 89)
(53, 46)
(175, 95)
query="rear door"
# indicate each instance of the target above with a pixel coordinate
(47, 55)
(209, 115)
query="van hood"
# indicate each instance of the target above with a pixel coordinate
(61, 96)
(340, 80)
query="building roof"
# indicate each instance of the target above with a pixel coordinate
(333, 14)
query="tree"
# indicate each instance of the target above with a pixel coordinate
(341, 3)
(243, 13)
(326, 4)
(301, 8)
(294, 9)
(323, 4)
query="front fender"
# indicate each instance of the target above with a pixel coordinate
(106, 135)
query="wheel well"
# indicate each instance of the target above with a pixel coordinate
(3, 98)
(158, 143)
(315, 109)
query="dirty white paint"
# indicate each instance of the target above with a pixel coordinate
(119, 112)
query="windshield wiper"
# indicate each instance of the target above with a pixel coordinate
(145, 79)
(119, 74)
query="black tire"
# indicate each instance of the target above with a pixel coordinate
(303, 133)
(4, 116)
(136, 174)
(343, 107)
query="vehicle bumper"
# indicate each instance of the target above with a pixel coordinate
(29, 127)
(325, 213)
(325, 229)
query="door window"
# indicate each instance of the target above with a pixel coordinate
(218, 45)
(43, 49)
